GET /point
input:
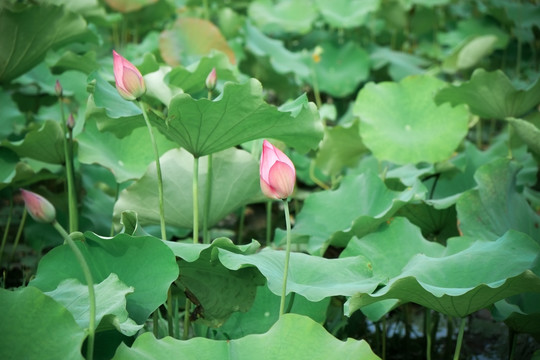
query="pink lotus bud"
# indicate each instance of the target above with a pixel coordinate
(58, 89)
(129, 81)
(211, 80)
(38, 207)
(277, 173)
(70, 121)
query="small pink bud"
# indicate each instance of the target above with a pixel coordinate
(129, 81)
(38, 207)
(58, 89)
(277, 173)
(211, 80)
(70, 122)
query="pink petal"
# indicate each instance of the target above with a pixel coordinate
(282, 178)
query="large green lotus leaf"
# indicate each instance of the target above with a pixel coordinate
(285, 340)
(400, 64)
(110, 304)
(8, 167)
(341, 147)
(132, 258)
(45, 329)
(26, 37)
(385, 250)
(240, 114)
(190, 252)
(44, 143)
(521, 313)
(235, 182)
(496, 206)
(313, 277)
(217, 291)
(357, 207)
(265, 312)
(470, 52)
(192, 78)
(282, 60)
(401, 123)
(463, 279)
(470, 28)
(86, 63)
(341, 68)
(282, 16)
(528, 132)
(110, 111)
(189, 39)
(127, 158)
(437, 224)
(347, 14)
(491, 95)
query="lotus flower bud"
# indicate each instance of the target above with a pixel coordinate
(58, 89)
(277, 173)
(38, 207)
(211, 80)
(70, 122)
(129, 81)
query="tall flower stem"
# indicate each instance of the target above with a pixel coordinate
(268, 221)
(207, 201)
(19, 233)
(158, 172)
(70, 173)
(160, 195)
(287, 257)
(195, 189)
(459, 340)
(89, 281)
(208, 188)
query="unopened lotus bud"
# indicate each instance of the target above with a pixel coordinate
(38, 207)
(211, 80)
(129, 81)
(70, 122)
(58, 89)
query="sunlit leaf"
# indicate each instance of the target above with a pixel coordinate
(345, 13)
(496, 206)
(282, 16)
(127, 158)
(235, 183)
(491, 95)
(401, 123)
(456, 280)
(286, 339)
(358, 206)
(132, 258)
(240, 114)
(110, 303)
(48, 329)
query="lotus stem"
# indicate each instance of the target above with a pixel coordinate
(287, 257)
(158, 172)
(90, 283)
(459, 340)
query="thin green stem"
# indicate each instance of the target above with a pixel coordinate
(6, 230)
(70, 174)
(384, 332)
(19, 232)
(169, 313)
(428, 333)
(195, 189)
(268, 222)
(155, 324)
(512, 340)
(287, 257)
(206, 10)
(459, 340)
(241, 220)
(89, 281)
(207, 201)
(158, 172)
